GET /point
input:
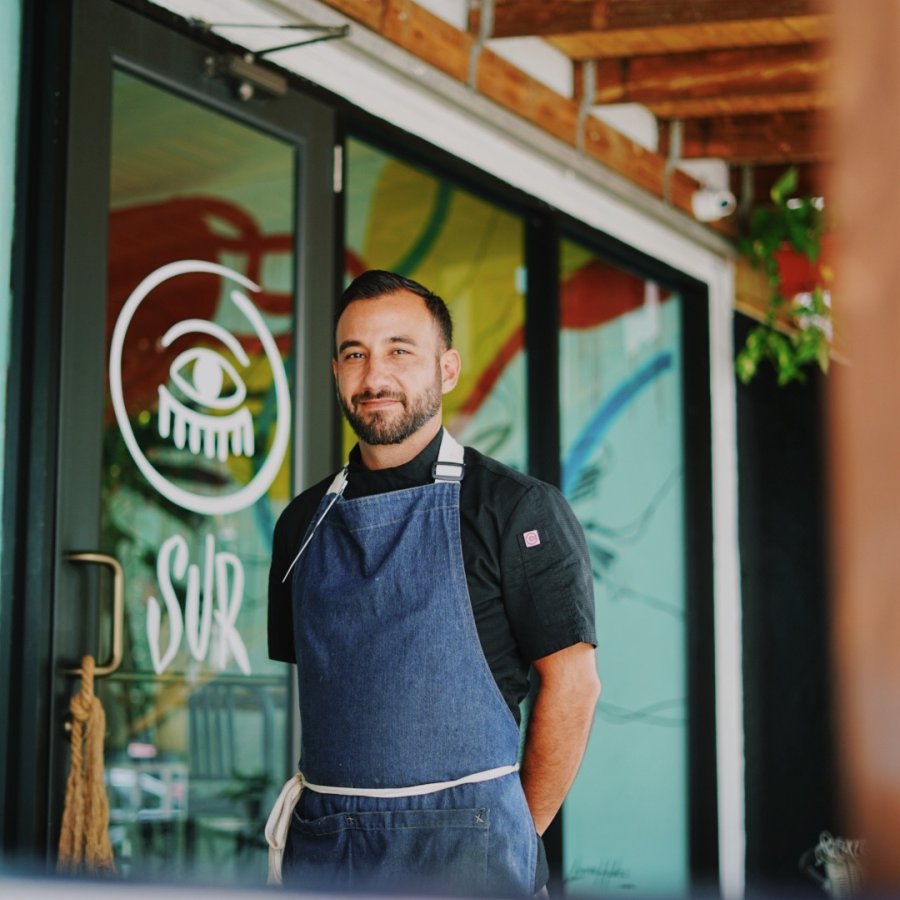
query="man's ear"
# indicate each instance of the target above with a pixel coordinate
(334, 369)
(451, 366)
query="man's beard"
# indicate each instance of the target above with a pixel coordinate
(383, 427)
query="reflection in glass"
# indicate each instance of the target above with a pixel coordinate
(626, 818)
(196, 469)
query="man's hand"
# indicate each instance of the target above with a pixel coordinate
(558, 729)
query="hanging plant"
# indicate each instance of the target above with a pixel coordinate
(796, 331)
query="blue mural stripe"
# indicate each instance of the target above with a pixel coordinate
(608, 411)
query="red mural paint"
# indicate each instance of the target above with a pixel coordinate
(593, 295)
(144, 238)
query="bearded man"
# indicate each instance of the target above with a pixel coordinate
(415, 590)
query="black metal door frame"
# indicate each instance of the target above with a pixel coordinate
(70, 52)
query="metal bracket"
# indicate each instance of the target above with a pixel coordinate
(244, 68)
(248, 75)
(676, 143)
(485, 30)
(439, 473)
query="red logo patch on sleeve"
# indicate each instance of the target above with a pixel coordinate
(531, 538)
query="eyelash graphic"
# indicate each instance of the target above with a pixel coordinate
(215, 436)
(212, 433)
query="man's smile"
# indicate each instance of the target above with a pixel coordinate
(377, 402)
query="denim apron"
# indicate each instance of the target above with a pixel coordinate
(408, 749)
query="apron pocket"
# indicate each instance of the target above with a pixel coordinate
(420, 850)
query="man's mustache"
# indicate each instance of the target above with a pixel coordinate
(380, 395)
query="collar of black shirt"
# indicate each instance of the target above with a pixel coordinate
(417, 471)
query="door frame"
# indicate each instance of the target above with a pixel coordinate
(61, 262)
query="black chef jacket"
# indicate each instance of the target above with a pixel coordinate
(525, 557)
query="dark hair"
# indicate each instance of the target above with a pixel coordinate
(379, 283)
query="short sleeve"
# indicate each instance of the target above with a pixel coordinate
(548, 585)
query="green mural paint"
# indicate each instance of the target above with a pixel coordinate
(437, 218)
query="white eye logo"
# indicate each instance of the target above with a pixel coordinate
(199, 431)
(201, 375)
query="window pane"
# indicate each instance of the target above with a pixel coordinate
(196, 469)
(626, 819)
(408, 220)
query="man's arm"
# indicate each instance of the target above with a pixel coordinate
(558, 728)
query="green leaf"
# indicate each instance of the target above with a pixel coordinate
(768, 230)
(801, 239)
(778, 344)
(756, 341)
(819, 306)
(799, 223)
(784, 187)
(745, 368)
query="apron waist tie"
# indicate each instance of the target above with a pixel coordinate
(418, 789)
(279, 820)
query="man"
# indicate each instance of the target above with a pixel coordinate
(415, 590)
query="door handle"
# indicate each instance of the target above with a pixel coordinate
(118, 623)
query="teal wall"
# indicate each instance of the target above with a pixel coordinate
(10, 21)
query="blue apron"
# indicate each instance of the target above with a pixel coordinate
(408, 749)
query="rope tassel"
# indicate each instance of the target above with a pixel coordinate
(84, 844)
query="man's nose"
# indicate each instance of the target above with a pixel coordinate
(375, 375)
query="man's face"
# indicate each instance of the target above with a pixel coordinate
(391, 369)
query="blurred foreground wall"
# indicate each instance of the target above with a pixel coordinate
(865, 427)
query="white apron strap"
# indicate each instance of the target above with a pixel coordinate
(336, 488)
(449, 465)
(416, 790)
(279, 821)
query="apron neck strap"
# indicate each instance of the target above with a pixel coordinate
(449, 465)
(339, 483)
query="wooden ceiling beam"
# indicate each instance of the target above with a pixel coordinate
(510, 87)
(708, 74)
(520, 18)
(367, 12)
(740, 105)
(414, 28)
(776, 139)
(501, 81)
(432, 40)
(644, 41)
(427, 36)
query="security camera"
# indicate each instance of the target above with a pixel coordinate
(712, 204)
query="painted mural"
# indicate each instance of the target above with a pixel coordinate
(408, 220)
(626, 819)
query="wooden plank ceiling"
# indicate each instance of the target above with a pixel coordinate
(744, 79)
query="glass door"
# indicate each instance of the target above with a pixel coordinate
(188, 265)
